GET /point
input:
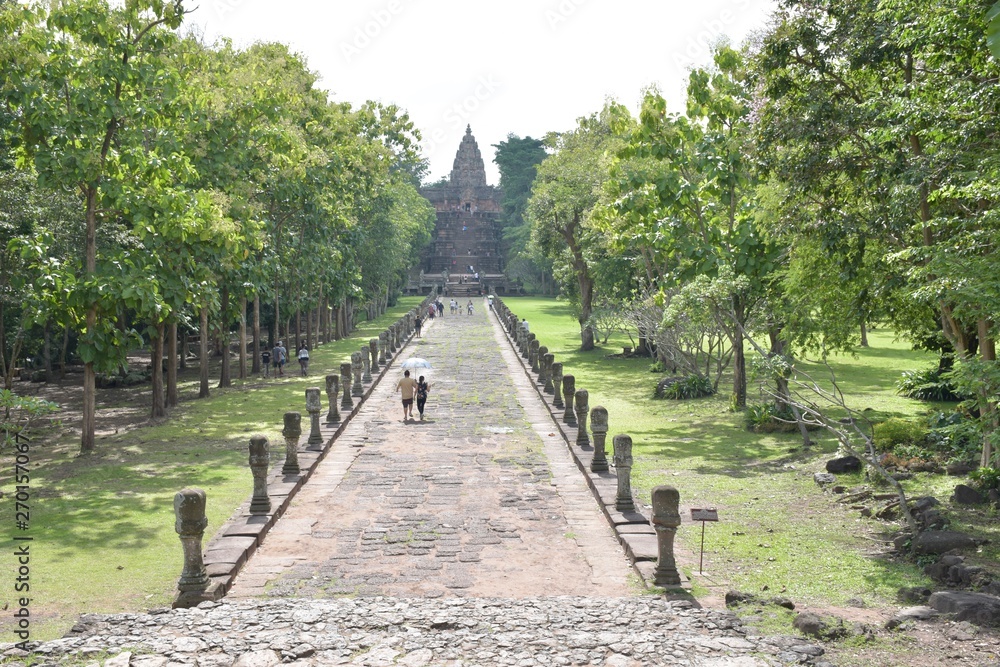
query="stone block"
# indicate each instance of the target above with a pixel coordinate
(639, 546)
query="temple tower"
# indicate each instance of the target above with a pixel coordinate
(467, 233)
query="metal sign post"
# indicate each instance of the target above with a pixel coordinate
(703, 515)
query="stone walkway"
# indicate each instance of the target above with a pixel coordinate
(468, 539)
(472, 501)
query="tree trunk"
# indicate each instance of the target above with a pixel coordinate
(172, 395)
(159, 409)
(988, 408)
(89, 375)
(309, 329)
(225, 375)
(47, 349)
(182, 363)
(739, 357)
(256, 334)
(64, 354)
(864, 334)
(243, 337)
(203, 371)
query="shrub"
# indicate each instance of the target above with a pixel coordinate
(927, 385)
(688, 386)
(986, 479)
(893, 432)
(954, 438)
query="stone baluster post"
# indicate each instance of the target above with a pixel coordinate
(373, 353)
(582, 410)
(540, 364)
(366, 374)
(313, 407)
(528, 337)
(292, 431)
(623, 468)
(260, 457)
(383, 353)
(393, 338)
(599, 427)
(557, 381)
(347, 403)
(533, 355)
(569, 390)
(190, 523)
(357, 389)
(666, 520)
(546, 374)
(332, 391)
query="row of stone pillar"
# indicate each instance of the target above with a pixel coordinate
(189, 504)
(575, 407)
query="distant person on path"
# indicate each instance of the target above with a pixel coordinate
(422, 389)
(303, 356)
(417, 323)
(406, 387)
(440, 307)
(524, 325)
(470, 306)
(265, 357)
(278, 357)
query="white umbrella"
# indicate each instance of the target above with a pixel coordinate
(415, 362)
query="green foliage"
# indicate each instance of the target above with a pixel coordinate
(17, 413)
(684, 387)
(986, 479)
(766, 418)
(953, 438)
(927, 385)
(894, 432)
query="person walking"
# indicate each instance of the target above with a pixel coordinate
(407, 386)
(470, 306)
(279, 355)
(303, 356)
(417, 323)
(440, 307)
(422, 389)
(265, 357)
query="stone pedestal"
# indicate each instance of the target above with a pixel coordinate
(599, 427)
(194, 586)
(313, 407)
(260, 457)
(373, 353)
(366, 369)
(557, 382)
(526, 350)
(533, 347)
(569, 390)
(393, 330)
(546, 379)
(540, 362)
(347, 403)
(666, 520)
(357, 389)
(382, 345)
(582, 409)
(623, 468)
(332, 395)
(292, 431)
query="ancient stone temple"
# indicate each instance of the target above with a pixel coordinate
(466, 238)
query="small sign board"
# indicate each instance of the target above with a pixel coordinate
(704, 514)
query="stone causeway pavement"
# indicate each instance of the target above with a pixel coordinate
(468, 538)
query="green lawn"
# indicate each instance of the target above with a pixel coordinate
(777, 532)
(103, 525)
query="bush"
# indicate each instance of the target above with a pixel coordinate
(765, 418)
(688, 386)
(894, 432)
(954, 438)
(927, 385)
(986, 479)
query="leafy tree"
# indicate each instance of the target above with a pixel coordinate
(565, 194)
(78, 79)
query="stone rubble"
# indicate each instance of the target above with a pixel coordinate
(417, 632)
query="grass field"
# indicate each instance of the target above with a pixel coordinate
(103, 525)
(777, 532)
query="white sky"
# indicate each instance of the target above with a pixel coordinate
(519, 66)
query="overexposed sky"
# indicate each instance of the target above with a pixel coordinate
(519, 66)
